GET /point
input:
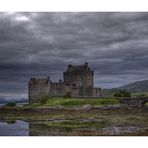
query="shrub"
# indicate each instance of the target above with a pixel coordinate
(11, 104)
(122, 93)
(44, 99)
(67, 94)
(141, 96)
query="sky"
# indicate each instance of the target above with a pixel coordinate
(115, 45)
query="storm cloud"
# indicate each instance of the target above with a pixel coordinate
(42, 44)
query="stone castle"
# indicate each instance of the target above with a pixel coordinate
(78, 80)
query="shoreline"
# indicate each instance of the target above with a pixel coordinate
(92, 121)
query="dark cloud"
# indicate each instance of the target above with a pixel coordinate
(40, 44)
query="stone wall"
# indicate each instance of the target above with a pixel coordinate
(135, 102)
(79, 80)
(97, 92)
(77, 76)
(38, 88)
(57, 89)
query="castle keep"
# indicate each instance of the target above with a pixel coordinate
(77, 79)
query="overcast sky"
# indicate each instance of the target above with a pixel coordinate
(40, 44)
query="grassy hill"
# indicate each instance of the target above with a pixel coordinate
(136, 89)
(74, 102)
(138, 86)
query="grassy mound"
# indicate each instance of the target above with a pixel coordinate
(75, 102)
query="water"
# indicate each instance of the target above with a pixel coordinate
(14, 128)
(18, 104)
(36, 128)
(2, 104)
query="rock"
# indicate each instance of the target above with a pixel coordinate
(56, 107)
(87, 106)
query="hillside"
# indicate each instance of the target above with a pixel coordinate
(138, 86)
(2, 100)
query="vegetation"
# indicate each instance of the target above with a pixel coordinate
(140, 94)
(75, 102)
(67, 94)
(44, 99)
(122, 93)
(138, 86)
(146, 104)
(11, 104)
(79, 124)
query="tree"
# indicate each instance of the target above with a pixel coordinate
(122, 93)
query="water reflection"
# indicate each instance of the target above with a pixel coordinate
(14, 128)
(23, 128)
(11, 121)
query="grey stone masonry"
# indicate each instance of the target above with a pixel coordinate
(77, 79)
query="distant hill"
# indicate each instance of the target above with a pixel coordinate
(135, 88)
(13, 100)
(138, 86)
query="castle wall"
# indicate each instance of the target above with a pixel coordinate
(88, 80)
(79, 80)
(38, 88)
(96, 92)
(57, 89)
(77, 76)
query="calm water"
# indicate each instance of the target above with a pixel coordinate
(14, 128)
(22, 128)
(18, 104)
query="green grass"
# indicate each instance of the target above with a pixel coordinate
(78, 124)
(140, 94)
(74, 102)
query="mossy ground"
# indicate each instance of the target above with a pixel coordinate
(45, 120)
(79, 124)
(76, 102)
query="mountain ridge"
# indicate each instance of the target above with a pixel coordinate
(138, 86)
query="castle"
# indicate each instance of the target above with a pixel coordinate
(78, 80)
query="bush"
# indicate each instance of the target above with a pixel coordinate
(44, 99)
(141, 96)
(122, 93)
(11, 104)
(67, 94)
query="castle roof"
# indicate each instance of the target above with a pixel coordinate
(78, 68)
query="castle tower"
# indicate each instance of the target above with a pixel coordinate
(38, 88)
(78, 75)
